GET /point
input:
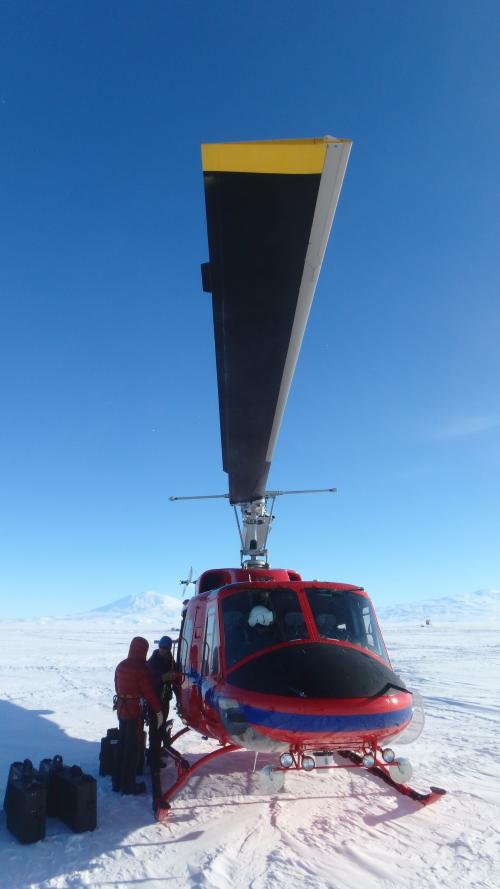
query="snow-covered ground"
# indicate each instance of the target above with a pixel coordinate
(330, 829)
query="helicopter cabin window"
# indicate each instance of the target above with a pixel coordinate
(345, 616)
(210, 662)
(258, 619)
(367, 619)
(186, 633)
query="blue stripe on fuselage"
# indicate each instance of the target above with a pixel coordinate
(310, 722)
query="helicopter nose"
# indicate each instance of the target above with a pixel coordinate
(317, 670)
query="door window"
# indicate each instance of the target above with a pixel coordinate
(184, 642)
(210, 663)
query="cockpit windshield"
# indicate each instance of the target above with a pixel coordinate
(256, 619)
(345, 616)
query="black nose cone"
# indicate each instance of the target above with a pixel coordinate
(316, 670)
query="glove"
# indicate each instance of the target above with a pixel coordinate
(171, 676)
(159, 719)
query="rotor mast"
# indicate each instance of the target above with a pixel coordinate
(254, 526)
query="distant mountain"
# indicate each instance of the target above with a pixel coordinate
(478, 607)
(157, 609)
(160, 610)
(145, 608)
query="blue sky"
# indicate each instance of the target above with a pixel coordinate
(107, 370)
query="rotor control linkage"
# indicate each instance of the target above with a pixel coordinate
(256, 520)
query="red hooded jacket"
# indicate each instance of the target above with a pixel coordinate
(133, 682)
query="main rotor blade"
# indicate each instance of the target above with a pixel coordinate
(270, 207)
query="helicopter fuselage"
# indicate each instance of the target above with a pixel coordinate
(314, 676)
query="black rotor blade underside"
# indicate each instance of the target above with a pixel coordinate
(258, 233)
(270, 207)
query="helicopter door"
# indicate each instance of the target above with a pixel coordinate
(210, 668)
(195, 657)
(197, 640)
(183, 661)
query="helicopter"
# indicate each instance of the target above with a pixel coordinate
(269, 662)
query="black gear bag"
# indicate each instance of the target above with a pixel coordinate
(77, 799)
(25, 802)
(109, 746)
(49, 769)
(71, 795)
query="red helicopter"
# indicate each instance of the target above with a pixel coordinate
(270, 662)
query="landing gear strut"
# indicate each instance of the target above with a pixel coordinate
(184, 772)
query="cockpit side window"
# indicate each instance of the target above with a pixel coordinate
(345, 616)
(210, 661)
(184, 641)
(256, 619)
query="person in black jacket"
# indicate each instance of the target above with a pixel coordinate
(161, 670)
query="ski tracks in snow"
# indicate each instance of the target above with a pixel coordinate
(336, 832)
(252, 847)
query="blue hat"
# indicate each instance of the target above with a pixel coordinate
(164, 642)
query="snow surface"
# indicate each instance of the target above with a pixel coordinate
(330, 829)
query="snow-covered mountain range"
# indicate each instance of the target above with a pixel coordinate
(154, 608)
(159, 610)
(478, 607)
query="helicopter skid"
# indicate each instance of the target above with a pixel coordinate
(184, 772)
(382, 771)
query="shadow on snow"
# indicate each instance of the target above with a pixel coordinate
(31, 734)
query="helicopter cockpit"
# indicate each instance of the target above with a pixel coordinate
(259, 619)
(246, 635)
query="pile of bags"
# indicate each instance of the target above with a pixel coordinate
(53, 789)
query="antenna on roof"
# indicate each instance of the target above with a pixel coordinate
(189, 580)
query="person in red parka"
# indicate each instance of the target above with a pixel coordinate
(132, 685)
